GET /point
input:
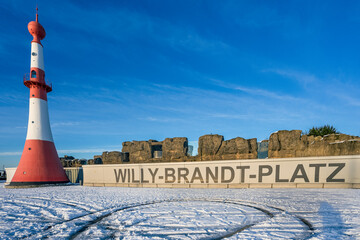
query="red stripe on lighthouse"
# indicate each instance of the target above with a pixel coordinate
(38, 92)
(39, 163)
(39, 75)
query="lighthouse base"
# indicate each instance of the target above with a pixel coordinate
(39, 165)
(36, 184)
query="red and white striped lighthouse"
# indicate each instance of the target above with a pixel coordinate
(39, 163)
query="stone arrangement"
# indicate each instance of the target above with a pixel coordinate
(213, 147)
(70, 161)
(171, 149)
(282, 144)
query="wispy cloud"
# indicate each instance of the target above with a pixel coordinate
(98, 150)
(90, 150)
(257, 105)
(190, 40)
(265, 93)
(349, 99)
(254, 91)
(62, 124)
(10, 153)
(12, 96)
(328, 88)
(252, 16)
(161, 119)
(348, 93)
(231, 116)
(301, 77)
(126, 24)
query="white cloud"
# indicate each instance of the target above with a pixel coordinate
(61, 124)
(160, 119)
(69, 151)
(265, 93)
(10, 153)
(231, 116)
(255, 91)
(330, 87)
(123, 24)
(301, 77)
(89, 151)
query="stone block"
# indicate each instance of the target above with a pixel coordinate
(114, 157)
(284, 144)
(139, 151)
(174, 148)
(213, 147)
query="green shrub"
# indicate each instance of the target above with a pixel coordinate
(322, 131)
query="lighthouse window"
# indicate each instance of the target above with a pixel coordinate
(34, 54)
(33, 74)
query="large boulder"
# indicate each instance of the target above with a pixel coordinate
(76, 163)
(139, 151)
(63, 162)
(291, 144)
(238, 148)
(213, 147)
(174, 149)
(169, 150)
(114, 157)
(209, 146)
(284, 143)
(82, 161)
(331, 145)
(347, 147)
(66, 161)
(98, 161)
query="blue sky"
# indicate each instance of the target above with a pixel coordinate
(138, 70)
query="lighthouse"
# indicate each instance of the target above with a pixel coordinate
(39, 163)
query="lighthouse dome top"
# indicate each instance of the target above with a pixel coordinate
(36, 30)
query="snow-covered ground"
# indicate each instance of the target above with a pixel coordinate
(76, 212)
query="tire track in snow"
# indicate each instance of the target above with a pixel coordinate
(239, 229)
(32, 206)
(88, 222)
(306, 223)
(230, 233)
(74, 204)
(95, 217)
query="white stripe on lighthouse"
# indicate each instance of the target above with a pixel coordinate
(37, 57)
(39, 124)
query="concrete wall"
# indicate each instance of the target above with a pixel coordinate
(9, 174)
(75, 174)
(310, 172)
